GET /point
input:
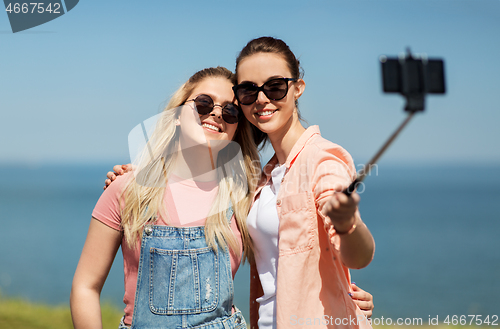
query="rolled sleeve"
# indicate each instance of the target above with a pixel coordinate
(334, 172)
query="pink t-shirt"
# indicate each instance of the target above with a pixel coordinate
(187, 203)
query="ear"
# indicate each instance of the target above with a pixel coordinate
(177, 122)
(299, 85)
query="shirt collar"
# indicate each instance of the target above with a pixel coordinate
(297, 147)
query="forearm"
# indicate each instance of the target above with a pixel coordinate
(356, 241)
(357, 248)
(85, 308)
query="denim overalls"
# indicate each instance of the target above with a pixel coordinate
(183, 283)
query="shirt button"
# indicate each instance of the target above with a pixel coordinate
(278, 202)
(148, 230)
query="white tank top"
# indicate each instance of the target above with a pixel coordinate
(263, 225)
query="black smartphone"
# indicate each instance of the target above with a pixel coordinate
(413, 76)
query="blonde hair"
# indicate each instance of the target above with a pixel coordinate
(144, 194)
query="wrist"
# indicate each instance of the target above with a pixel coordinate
(348, 229)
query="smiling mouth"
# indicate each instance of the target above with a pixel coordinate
(211, 127)
(265, 113)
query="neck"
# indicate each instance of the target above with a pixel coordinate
(196, 163)
(284, 139)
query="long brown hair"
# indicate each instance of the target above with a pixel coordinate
(275, 46)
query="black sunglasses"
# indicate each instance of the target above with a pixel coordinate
(274, 89)
(204, 105)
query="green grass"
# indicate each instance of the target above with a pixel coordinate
(19, 314)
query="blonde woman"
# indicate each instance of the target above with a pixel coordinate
(179, 218)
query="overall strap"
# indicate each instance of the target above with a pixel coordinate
(152, 219)
(229, 212)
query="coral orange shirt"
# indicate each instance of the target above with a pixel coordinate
(312, 283)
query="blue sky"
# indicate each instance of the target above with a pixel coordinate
(72, 89)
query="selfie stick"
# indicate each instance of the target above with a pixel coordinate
(413, 78)
(366, 170)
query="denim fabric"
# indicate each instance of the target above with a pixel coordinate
(182, 282)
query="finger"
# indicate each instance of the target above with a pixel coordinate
(350, 201)
(342, 198)
(364, 306)
(362, 295)
(330, 207)
(127, 167)
(334, 202)
(355, 198)
(111, 175)
(118, 169)
(357, 289)
(327, 208)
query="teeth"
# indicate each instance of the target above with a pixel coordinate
(209, 126)
(266, 113)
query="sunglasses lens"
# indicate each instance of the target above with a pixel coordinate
(247, 93)
(204, 104)
(230, 113)
(275, 89)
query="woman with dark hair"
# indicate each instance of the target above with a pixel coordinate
(306, 233)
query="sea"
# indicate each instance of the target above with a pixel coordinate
(436, 229)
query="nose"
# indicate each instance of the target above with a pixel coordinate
(217, 111)
(262, 98)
